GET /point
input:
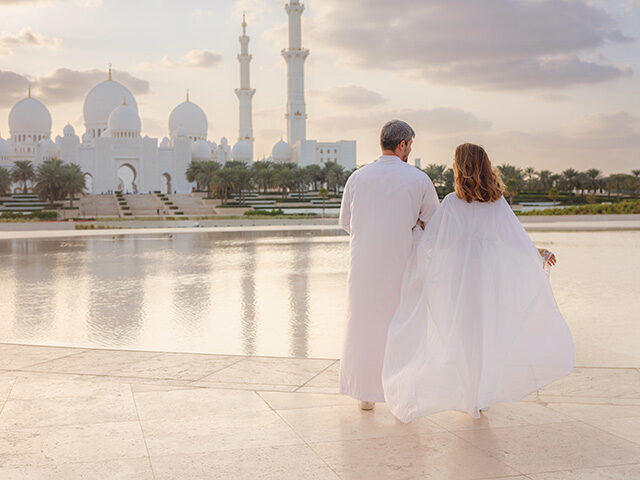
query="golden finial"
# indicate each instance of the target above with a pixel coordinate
(244, 23)
(109, 71)
(29, 91)
(124, 100)
(187, 94)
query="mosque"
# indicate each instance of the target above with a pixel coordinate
(115, 155)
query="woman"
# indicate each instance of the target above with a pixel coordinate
(477, 323)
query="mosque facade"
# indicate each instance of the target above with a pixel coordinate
(114, 155)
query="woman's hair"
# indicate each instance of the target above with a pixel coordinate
(475, 178)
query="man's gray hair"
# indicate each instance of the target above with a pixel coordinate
(395, 132)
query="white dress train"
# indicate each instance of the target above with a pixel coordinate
(477, 322)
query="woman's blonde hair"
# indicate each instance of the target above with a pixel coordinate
(475, 178)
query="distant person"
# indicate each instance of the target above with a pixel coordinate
(382, 204)
(477, 322)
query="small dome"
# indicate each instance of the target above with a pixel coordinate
(165, 143)
(124, 119)
(49, 149)
(192, 118)
(102, 100)
(68, 130)
(200, 150)
(5, 148)
(30, 115)
(281, 152)
(241, 151)
(86, 137)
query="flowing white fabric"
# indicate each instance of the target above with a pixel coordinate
(477, 322)
(381, 204)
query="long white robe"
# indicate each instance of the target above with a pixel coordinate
(477, 323)
(380, 206)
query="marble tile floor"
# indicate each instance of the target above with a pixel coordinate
(75, 413)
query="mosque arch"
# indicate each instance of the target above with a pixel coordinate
(88, 183)
(166, 184)
(127, 176)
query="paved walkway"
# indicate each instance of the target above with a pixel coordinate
(68, 413)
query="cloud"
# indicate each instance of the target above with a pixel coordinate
(84, 3)
(605, 125)
(26, 38)
(63, 85)
(493, 44)
(349, 96)
(192, 59)
(424, 121)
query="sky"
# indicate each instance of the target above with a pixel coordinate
(551, 84)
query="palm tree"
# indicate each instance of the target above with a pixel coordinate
(205, 173)
(5, 181)
(23, 172)
(529, 172)
(594, 175)
(336, 176)
(553, 195)
(569, 176)
(510, 172)
(436, 173)
(314, 175)
(223, 183)
(544, 176)
(242, 180)
(283, 177)
(73, 181)
(618, 182)
(193, 171)
(511, 189)
(263, 174)
(49, 183)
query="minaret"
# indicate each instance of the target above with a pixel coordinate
(245, 92)
(295, 56)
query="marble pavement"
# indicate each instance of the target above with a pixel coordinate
(75, 413)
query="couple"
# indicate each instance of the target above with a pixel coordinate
(450, 307)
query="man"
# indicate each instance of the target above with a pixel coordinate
(381, 205)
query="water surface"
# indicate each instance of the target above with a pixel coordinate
(267, 293)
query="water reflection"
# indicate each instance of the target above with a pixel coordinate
(266, 293)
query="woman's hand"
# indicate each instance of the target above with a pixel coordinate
(550, 256)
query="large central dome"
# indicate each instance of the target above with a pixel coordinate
(103, 99)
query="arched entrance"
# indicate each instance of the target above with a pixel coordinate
(127, 178)
(166, 184)
(88, 184)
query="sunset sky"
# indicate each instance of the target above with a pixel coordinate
(549, 84)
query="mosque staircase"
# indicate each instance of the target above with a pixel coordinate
(98, 206)
(191, 205)
(143, 205)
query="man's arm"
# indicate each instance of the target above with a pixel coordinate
(345, 207)
(429, 204)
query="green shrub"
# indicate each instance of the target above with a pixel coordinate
(264, 213)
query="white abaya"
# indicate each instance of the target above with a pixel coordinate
(380, 206)
(477, 323)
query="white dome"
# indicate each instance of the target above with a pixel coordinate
(241, 151)
(68, 130)
(5, 148)
(30, 116)
(200, 150)
(86, 137)
(165, 143)
(281, 152)
(102, 100)
(192, 118)
(49, 149)
(124, 119)
(181, 131)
